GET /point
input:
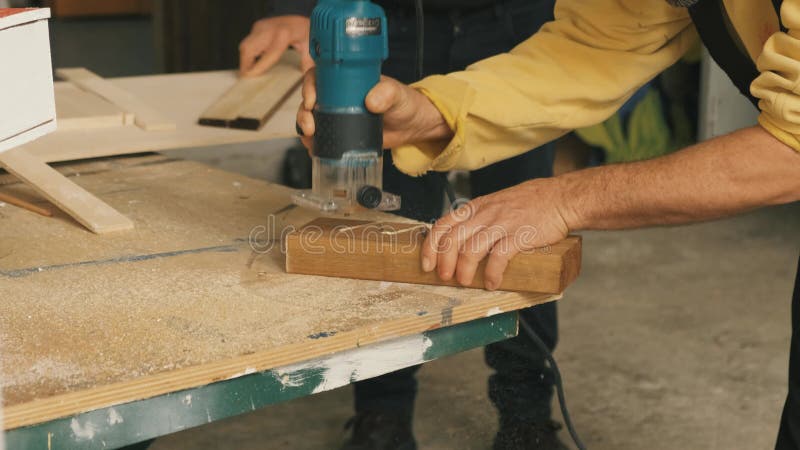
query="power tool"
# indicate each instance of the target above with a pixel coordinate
(348, 43)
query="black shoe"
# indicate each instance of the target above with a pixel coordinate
(380, 431)
(529, 436)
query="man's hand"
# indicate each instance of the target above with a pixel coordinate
(408, 116)
(499, 225)
(726, 175)
(268, 41)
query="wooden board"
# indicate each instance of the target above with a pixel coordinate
(77, 109)
(145, 116)
(11, 200)
(180, 97)
(388, 251)
(69, 197)
(252, 101)
(196, 294)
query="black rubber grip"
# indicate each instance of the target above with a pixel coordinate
(337, 133)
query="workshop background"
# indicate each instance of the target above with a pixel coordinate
(672, 338)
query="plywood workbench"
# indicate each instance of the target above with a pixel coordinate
(108, 340)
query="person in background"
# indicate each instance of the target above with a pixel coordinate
(457, 34)
(577, 71)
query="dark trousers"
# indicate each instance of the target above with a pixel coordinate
(789, 434)
(522, 385)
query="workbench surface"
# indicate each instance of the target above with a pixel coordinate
(195, 294)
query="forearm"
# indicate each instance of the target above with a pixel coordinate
(554, 82)
(723, 176)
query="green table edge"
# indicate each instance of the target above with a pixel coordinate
(134, 422)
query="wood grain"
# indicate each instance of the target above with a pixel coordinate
(391, 252)
(84, 207)
(145, 117)
(253, 101)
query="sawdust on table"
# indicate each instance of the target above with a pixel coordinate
(86, 311)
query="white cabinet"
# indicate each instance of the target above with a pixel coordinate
(27, 106)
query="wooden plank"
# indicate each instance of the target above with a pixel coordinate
(280, 83)
(145, 118)
(252, 101)
(77, 109)
(11, 200)
(189, 297)
(69, 197)
(388, 251)
(226, 108)
(180, 97)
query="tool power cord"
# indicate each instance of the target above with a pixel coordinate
(451, 196)
(562, 400)
(551, 361)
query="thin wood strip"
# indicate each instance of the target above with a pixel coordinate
(282, 81)
(43, 410)
(146, 117)
(252, 101)
(11, 200)
(84, 207)
(226, 108)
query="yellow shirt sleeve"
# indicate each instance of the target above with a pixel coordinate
(575, 72)
(778, 85)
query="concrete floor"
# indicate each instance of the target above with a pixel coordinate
(673, 338)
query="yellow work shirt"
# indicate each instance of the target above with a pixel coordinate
(580, 68)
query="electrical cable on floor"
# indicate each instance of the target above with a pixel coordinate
(562, 401)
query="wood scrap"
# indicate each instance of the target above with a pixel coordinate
(11, 200)
(177, 96)
(145, 117)
(391, 252)
(84, 207)
(252, 101)
(77, 109)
